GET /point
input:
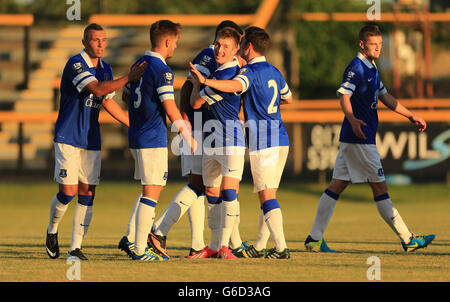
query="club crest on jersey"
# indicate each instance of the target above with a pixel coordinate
(63, 173)
(169, 77)
(242, 70)
(205, 60)
(77, 67)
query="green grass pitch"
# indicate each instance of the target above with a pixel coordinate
(356, 230)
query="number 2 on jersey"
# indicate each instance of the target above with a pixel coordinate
(137, 102)
(273, 109)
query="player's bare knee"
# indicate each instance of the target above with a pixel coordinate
(267, 194)
(378, 188)
(212, 191)
(338, 186)
(70, 190)
(86, 189)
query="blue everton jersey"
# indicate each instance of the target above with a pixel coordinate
(148, 127)
(205, 62)
(263, 89)
(222, 112)
(77, 122)
(362, 82)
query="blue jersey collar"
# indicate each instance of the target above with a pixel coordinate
(365, 61)
(156, 55)
(257, 60)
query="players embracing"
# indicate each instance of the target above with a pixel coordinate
(191, 198)
(263, 90)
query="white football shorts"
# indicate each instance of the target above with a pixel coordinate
(151, 165)
(222, 162)
(267, 166)
(358, 163)
(74, 164)
(191, 164)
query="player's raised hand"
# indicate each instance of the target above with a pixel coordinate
(420, 122)
(137, 71)
(196, 74)
(356, 127)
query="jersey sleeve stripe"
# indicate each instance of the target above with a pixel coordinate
(81, 76)
(382, 91)
(203, 70)
(204, 96)
(382, 88)
(344, 90)
(166, 96)
(244, 82)
(285, 89)
(86, 81)
(286, 95)
(164, 89)
(212, 95)
(349, 85)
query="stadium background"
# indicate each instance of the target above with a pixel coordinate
(313, 41)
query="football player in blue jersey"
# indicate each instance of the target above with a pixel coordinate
(191, 198)
(223, 144)
(150, 101)
(87, 84)
(358, 160)
(263, 89)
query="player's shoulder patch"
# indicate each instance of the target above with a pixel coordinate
(243, 70)
(77, 67)
(205, 60)
(350, 74)
(168, 76)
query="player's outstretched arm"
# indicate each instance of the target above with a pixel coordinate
(175, 117)
(230, 86)
(356, 124)
(116, 111)
(395, 106)
(100, 89)
(196, 100)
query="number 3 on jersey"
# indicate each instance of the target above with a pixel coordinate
(137, 102)
(273, 109)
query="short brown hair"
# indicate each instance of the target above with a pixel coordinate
(228, 23)
(92, 26)
(258, 37)
(229, 32)
(369, 31)
(161, 29)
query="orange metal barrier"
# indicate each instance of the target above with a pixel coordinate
(362, 17)
(261, 18)
(184, 20)
(442, 103)
(288, 116)
(16, 19)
